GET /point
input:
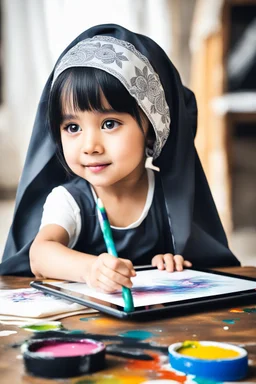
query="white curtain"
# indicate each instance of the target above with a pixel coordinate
(34, 34)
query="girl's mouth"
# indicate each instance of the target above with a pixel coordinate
(97, 168)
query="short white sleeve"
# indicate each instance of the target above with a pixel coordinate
(61, 208)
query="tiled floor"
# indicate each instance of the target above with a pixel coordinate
(242, 242)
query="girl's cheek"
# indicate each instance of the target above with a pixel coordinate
(69, 155)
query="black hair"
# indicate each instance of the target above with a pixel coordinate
(82, 88)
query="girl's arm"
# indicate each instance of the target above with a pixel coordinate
(51, 258)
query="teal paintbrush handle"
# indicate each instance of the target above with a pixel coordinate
(128, 299)
(126, 292)
(109, 241)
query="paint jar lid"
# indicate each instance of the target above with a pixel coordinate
(63, 357)
(209, 360)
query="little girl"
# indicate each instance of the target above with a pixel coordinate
(113, 105)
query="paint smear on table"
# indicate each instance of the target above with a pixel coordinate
(42, 327)
(203, 380)
(230, 321)
(137, 334)
(111, 379)
(244, 310)
(156, 366)
(89, 318)
(250, 310)
(161, 382)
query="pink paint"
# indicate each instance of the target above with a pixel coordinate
(62, 349)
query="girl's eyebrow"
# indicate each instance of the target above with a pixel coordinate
(111, 110)
(68, 117)
(105, 111)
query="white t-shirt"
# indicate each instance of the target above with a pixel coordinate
(61, 208)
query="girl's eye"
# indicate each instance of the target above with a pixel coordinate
(72, 128)
(110, 124)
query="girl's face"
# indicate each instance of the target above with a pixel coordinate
(105, 148)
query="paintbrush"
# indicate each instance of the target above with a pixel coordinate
(108, 238)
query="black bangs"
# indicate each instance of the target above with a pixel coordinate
(81, 88)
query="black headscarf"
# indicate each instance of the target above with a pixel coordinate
(197, 231)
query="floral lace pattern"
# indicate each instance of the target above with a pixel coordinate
(104, 52)
(122, 60)
(148, 85)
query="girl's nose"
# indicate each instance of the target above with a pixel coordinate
(92, 143)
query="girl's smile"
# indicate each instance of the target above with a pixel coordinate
(97, 167)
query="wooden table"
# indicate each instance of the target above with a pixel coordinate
(208, 325)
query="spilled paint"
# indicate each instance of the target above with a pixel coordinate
(230, 321)
(137, 334)
(42, 327)
(71, 332)
(160, 382)
(88, 318)
(203, 380)
(244, 310)
(236, 310)
(250, 310)
(103, 321)
(112, 379)
(155, 365)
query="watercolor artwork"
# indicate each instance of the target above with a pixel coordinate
(29, 302)
(157, 287)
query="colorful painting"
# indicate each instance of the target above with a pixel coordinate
(28, 295)
(156, 287)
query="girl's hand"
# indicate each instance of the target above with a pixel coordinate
(108, 273)
(170, 263)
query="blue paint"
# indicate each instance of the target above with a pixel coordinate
(230, 321)
(250, 310)
(75, 332)
(137, 334)
(198, 380)
(88, 318)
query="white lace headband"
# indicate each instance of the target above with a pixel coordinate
(122, 60)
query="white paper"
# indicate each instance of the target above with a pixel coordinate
(32, 303)
(155, 287)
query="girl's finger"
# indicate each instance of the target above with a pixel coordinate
(114, 278)
(110, 285)
(187, 263)
(105, 288)
(158, 262)
(123, 267)
(130, 266)
(169, 262)
(179, 261)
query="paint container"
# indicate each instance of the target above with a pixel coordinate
(63, 357)
(209, 360)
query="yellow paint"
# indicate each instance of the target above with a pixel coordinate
(207, 352)
(236, 310)
(103, 321)
(110, 379)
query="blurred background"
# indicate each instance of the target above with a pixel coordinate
(211, 42)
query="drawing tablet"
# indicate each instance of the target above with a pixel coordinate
(155, 292)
